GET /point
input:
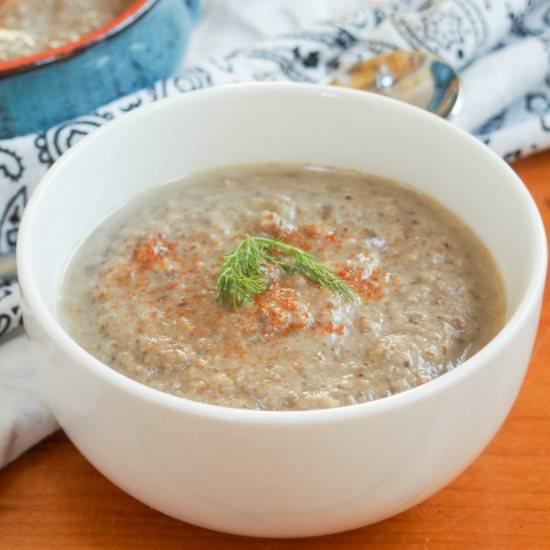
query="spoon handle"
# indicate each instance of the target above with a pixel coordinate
(8, 268)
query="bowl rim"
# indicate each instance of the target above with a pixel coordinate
(24, 63)
(528, 303)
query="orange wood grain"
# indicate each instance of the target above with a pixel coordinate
(52, 498)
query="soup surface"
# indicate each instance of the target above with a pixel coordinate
(29, 26)
(141, 293)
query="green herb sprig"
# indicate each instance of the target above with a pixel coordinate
(243, 273)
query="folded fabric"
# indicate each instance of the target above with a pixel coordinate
(500, 48)
(24, 418)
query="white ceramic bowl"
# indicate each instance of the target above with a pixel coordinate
(264, 473)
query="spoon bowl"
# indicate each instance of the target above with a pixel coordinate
(415, 77)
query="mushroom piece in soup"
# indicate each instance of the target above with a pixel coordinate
(283, 287)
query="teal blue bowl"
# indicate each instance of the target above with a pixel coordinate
(144, 44)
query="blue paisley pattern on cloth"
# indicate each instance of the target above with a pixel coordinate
(501, 48)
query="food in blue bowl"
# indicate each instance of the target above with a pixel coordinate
(60, 59)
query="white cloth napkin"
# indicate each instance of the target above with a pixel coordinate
(501, 49)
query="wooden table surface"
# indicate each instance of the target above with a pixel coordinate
(52, 498)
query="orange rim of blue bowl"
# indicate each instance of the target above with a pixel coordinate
(133, 12)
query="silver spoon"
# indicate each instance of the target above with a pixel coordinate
(412, 76)
(7, 267)
(415, 77)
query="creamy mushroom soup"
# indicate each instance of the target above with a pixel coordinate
(29, 26)
(337, 288)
